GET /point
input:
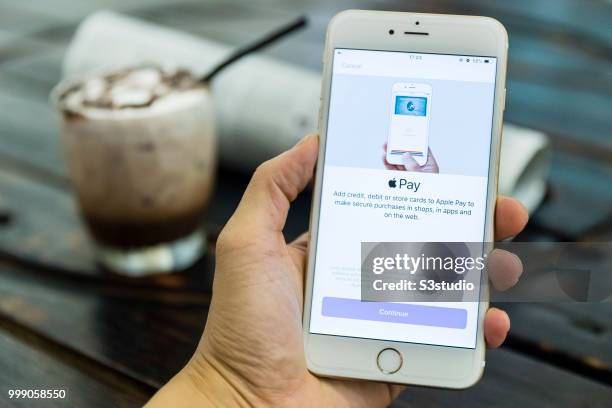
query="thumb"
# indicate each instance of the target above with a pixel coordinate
(274, 185)
(410, 164)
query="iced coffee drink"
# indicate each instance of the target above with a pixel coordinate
(140, 149)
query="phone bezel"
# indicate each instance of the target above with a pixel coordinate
(428, 365)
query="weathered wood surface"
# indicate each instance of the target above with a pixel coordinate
(28, 362)
(124, 330)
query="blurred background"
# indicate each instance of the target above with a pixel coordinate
(110, 340)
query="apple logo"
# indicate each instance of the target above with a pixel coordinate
(392, 183)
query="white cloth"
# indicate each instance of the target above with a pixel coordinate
(524, 166)
(282, 99)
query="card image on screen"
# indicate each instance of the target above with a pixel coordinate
(411, 105)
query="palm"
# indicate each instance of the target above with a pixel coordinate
(268, 292)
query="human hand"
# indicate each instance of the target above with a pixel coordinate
(410, 164)
(252, 350)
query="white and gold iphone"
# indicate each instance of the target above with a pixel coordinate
(427, 85)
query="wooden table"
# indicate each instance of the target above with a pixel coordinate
(111, 341)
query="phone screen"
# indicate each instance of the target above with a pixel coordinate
(409, 123)
(438, 109)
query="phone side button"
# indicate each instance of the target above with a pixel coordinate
(389, 361)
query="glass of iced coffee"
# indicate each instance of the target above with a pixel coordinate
(140, 149)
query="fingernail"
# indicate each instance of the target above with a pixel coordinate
(305, 138)
(302, 140)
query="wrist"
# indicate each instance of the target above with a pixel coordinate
(199, 384)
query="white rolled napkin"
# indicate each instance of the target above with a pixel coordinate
(525, 162)
(282, 99)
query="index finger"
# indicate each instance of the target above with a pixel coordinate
(510, 217)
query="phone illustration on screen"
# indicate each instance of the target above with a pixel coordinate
(409, 122)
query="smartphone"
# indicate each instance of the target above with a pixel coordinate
(409, 122)
(380, 72)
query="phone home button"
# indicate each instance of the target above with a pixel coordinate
(389, 361)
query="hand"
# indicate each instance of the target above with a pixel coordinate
(252, 350)
(410, 164)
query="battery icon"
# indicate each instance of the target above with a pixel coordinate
(486, 61)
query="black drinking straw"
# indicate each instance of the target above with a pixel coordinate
(262, 42)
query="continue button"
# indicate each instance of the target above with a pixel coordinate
(395, 312)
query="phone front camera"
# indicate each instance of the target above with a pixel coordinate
(391, 32)
(417, 23)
